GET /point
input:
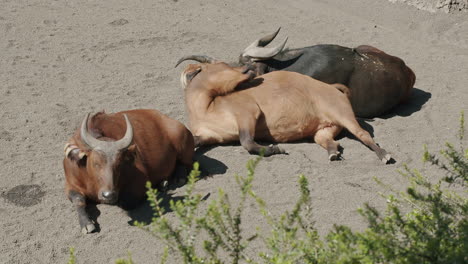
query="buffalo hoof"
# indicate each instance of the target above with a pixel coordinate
(273, 150)
(89, 228)
(164, 186)
(334, 155)
(387, 159)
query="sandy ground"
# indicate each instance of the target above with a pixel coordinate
(447, 6)
(62, 59)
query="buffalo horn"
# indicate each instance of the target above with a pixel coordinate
(265, 40)
(95, 143)
(255, 51)
(125, 142)
(199, 58)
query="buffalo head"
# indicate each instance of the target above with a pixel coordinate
(104, 160)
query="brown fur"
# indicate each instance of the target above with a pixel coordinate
(225, 105)
(384, 81)
(158, 143)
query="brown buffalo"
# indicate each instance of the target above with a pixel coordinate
(111, 157)
(225, 104)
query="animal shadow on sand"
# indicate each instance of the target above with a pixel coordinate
(416, 101)
(144, 213)
(208, 167)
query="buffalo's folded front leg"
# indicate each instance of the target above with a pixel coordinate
(87, 226)
(246, 136)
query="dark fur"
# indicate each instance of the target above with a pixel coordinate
(377, 81)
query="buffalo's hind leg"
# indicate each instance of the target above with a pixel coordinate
(87, 226)
(325, 138)
(247, 125)
(365, 137)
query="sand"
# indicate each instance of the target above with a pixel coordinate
(447, 6)
(62, 59)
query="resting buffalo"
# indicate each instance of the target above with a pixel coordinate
(226, 104)
(377, 81)
(112, 156)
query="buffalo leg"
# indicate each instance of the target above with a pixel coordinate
(179, 176)
(87, 226)
(246, 137)
(325, 138)
(365, 138)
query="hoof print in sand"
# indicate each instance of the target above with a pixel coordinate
(25, 195)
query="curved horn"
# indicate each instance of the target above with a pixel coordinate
(264, 53)
(262, 42)
(93, 143)
(87, 137)
(268, 38)
(125, 142)
(199, 58)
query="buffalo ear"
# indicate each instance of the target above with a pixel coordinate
(131, 152)
(74, 153)
(132, 148)
(192, 74)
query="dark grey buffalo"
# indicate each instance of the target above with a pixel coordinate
(377, 81)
